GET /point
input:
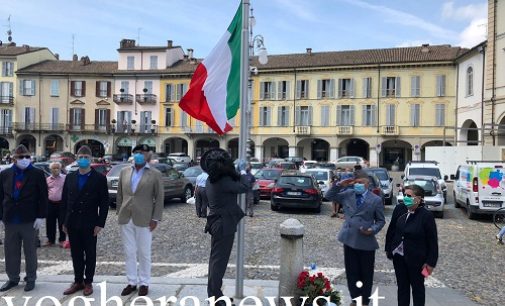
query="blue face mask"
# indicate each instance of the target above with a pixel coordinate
(139, 159)
(359, 188)
(83, 163)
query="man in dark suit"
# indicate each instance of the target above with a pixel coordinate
(86, 198)
(364, 218)
(222, 188)
(23, 198)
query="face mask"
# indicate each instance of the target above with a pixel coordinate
(23, 163)
(83, 163)
(359, 188)
(139, 159)
(408, 201)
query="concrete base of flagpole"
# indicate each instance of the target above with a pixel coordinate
(292, 232)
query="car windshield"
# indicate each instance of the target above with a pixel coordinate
(319, 175)
(116, 169)
(299, 181)
(381, 174)
(425, 172)
(268, 174)
(256, 166)
(430, 187)
(192, 172)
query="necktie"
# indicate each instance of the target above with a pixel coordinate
(359, 201)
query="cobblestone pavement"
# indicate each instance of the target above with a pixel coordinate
(469, 261)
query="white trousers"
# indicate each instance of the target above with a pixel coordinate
(137, 246)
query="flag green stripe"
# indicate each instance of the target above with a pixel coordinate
(233, 83)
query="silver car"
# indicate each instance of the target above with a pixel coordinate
(350, 162)
(175, 184)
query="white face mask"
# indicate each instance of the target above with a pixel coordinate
(23, 163)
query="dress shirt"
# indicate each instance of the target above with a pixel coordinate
(137, 176)
(55, 187)
(201, 179)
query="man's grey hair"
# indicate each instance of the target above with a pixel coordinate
(55, 163)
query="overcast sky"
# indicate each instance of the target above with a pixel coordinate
(288, 26)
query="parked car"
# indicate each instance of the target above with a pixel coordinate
(65, 158)
(350, 162)
(285, 166)
(175, 184)
(274, 161)
(310, 164)
(180, 157)
(330, 166)
(296, 190)
(181, 166)
(44, 166)
(191, 173)
(100, 168)
(266, 178)
(323, 178)
(295, 159)
(256, 166)
(426, 168)
(480, 187)
(433, 196)
(386, 183)
(375, 186)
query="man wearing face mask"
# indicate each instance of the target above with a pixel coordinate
(86, 198)
(23, 198)
(140, 197)
(56, 211)
(364, 218)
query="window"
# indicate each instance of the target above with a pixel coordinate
(345, 88)
(325, 88)
(169, 93)
(78, 88)
(123, 121)
(267, 91)
(440, 114)
(7, 69)
(345, 114)
(265, 116)
(302, 89)
(390, 87)
(130, 62)
(283, 90)
(367, 87)
(415, 114)
(153, 62)
(29, 115)
(303, 115)
(325, 115)
(6, 120)
(6, 92)
(440, 85)
(27, 87)
(169, 116)
(102, 89)
(145, 121)
(390, 114)
(76, 117)
(149, 86)
(283, 116)
(415, 86)
(469, 81)
(184, 119)
(125, 85)
(55, 88)
(368, 115)
(102, 117)
(181, 91)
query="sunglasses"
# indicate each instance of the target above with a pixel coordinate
(23, 156)
(410, 195)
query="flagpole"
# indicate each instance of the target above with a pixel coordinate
(242, 144)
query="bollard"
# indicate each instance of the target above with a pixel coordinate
(291, 258)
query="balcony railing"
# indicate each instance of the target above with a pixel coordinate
(128, 128)
(345, 130)
(146, 99)
(199, 130)
(26, 126)
(302, 130)
(389, 130)
(6, 100)
(123, 99)
(94, 128)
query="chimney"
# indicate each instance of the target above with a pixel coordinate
(75, 58)
(185, 57)
(190, 54)
(26, 47)
(425, 48)
(127, 43)
(309, 51)
(85, 60)
(170, 43)
(57, 56)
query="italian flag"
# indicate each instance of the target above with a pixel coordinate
(214, 92)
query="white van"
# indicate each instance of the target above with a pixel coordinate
(479, 186)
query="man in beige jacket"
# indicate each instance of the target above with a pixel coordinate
(139, 208)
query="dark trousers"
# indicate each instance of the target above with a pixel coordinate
(83, 251)
(15, 236)
(55, 216)
(201, 202)
(219, 256)
(359, 266)
(408, 275)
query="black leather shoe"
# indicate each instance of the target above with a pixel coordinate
(8, 285)
(29, 286)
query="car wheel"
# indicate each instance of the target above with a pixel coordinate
(274, 207)
(318, 209)
(445, 197)
(471, 215)
(188, 193)
(456, 204)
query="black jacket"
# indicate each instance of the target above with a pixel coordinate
(224, 213)
(32, 202)
(418, 233)
(88, 207)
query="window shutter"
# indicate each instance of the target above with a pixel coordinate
(319, 89)
(262, 90)
(413, 115)
(262, 114)
(288, 94)
(83, 118)
(83, 88)
(384, 87)
(71, 118)
(298, 89)
(279, 116)
(21, 87)
(297, 115)
(364, 117)
(310, 115)
(365, 87)
(279, 90)
(33, 88)
(11, 89)
(107, 118)
(322, 115)
(172, 117)
(272, 91)
(269, 116)
(351, 88)
(172, 92)
(109, 89)
(413, 86)
(340, 88)
(97, 89)
(332, 89)
(72, 88)
(442, 85)
(97, 116)
(398, 87)
(418, 86)
(339, 114)
(374, 115)
(307, 95)
(351, 108)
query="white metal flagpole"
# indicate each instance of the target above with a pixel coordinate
(242, 144)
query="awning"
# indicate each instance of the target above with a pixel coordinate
(125, 142)
(149, 141)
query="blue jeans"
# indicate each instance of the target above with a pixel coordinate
(501, 233)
